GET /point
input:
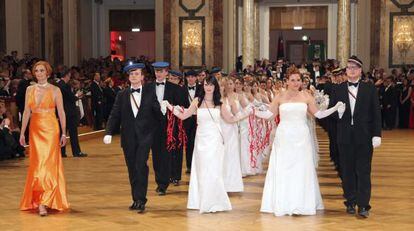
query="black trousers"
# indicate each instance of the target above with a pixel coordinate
(355, 162)
(97, 110)
(72, 123)
(333, 145)
(161, 159)
(190, 131)
(176, 164)
(389, 117)
(136, 160)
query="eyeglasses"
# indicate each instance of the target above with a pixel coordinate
(352, 67)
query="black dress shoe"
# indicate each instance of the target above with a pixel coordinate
(161, 191)
(188, 171)
(363, 212)
(80, 154)
(140, 207)
(64, 155)
(134, 205)
(176, 182)
(350, 209)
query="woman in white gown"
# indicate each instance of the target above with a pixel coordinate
(207, 192)
(291, 185)
(233, 180)
(246, 167)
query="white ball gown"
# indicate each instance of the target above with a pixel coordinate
(246, 167)
(206, 192)
(232, 173)
(291, 185)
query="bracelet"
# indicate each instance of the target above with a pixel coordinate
(63, 135)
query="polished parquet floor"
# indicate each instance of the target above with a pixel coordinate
(98, 191)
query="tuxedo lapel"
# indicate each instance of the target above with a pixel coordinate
(128, 101)
(166, 91)
(346, 100)
(359, 98)
(143, 97)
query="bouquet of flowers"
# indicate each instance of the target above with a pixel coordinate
(322, 100)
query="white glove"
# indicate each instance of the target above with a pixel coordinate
(341, 110)
(264, 114)
(248, 109)
(376, 141)
(163, 106)
(263, 107)
(107, 139)
(325, 113)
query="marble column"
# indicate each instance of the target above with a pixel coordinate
(159, 30)
(248, 36)
(70, 29)
(344, 31)
(54, 38)
(229, 34)
(256, 30)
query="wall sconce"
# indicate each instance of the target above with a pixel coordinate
(404, 36)
(192, 37)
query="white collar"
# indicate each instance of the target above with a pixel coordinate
(165, 80)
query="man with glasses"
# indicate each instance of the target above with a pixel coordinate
(358, 132)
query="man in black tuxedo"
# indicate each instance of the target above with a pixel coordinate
(97, 101)
(191, 90)
(177, 153)
(137, 112)
(329, 89)
(24, 83)
(316, 71)
(358, 132)
(72, 117)
(161, 158)
(388, 99)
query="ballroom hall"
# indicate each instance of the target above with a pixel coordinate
(207, 114)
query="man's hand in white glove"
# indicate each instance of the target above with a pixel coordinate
(107, 139)
(376, 141)
(341, 110)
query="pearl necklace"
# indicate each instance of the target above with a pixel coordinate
(43, 85)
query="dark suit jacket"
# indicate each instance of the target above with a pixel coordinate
(172, 95)
(97, 94)
(109, 95)
(21, 93)
(135, 130)
(388, 97)
(69, 99)
(187, 101)
(367, 114)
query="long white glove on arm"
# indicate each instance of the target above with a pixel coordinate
(325, 113)
(376, 141)
(244, 112)
(341, 110)
(266, 114)
(107, 139)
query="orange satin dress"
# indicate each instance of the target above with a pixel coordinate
(45, 183)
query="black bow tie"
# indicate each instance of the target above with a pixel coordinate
(191, 88)
(135, 90)
(353, 84)
(162, 83)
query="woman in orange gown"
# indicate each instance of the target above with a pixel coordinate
(45, 184)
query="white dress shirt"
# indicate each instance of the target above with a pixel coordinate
(159, 89)
(352, 101)
(137, 97)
